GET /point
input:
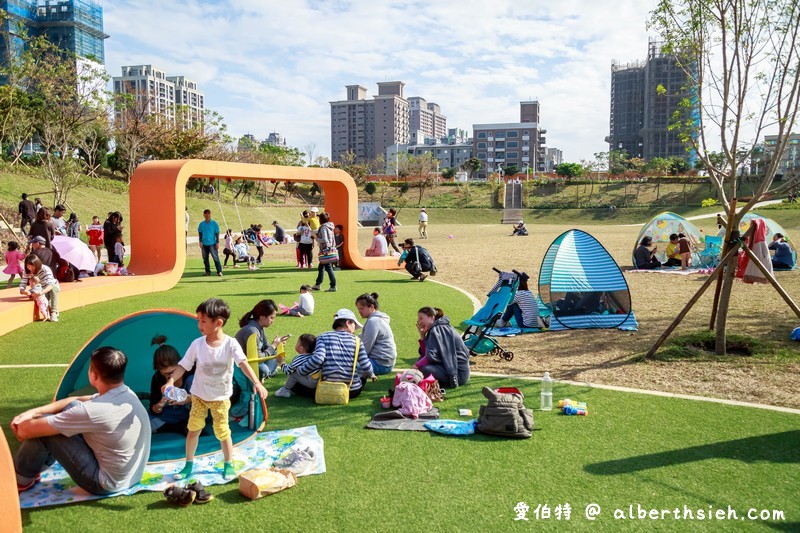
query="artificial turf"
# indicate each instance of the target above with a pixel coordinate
(632, 449)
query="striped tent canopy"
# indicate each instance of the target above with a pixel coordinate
(582, 285)
(133, 334)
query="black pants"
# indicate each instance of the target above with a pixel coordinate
(306, 251)
(260, 254)
(22, 224)
(672, 262)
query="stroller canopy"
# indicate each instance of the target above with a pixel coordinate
(662, 226)
(582, 285)
(132, 334)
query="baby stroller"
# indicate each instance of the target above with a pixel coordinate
(500, 296)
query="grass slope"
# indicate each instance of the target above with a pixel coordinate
(654, 451)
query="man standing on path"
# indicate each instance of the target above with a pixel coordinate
(423, 224)
(27, 213)
(209, 242)
(102, 440)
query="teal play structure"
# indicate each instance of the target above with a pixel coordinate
(132, 334)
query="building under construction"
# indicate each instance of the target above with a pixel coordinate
(644, 98)
(75, 26)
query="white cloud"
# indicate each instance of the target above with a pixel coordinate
(275, 66)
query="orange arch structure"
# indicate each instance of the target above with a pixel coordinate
(157, 204)
(9, 498)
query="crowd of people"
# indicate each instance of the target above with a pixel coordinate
(103, 440)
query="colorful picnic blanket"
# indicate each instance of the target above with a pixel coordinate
(674, 270)
(57, 488)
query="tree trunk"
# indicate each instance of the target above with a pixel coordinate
(658, 188)
(722, 309)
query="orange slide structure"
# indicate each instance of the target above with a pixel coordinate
(157, 204)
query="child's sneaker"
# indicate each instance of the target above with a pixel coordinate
(29, 485)
(179, 495)
(201, 496)
(283, 392)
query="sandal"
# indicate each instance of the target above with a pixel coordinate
(179, 495)
(201, 496)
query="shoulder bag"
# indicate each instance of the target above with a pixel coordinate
(336, 393)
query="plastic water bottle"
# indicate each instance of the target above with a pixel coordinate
(175, 394)
(547, 393)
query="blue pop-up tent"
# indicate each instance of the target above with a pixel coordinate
(583, 286)
(133, 334)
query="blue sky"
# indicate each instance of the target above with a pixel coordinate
(274, 66)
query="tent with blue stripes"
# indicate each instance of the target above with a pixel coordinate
(582, 285)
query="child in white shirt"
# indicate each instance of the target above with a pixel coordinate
(213, 355)
(305, 307)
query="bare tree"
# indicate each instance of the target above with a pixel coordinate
(310, 149)
(742, 60)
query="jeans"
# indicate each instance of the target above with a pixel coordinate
(72, 453)
(22, 223)
(379, 369)
(211, 249)
(440, 375)
(267, 368)
(331, 277)
(515, 311)
(260, 250)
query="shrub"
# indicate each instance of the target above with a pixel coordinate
(709, 202)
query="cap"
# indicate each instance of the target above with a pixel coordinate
(347, 315)
(38, 239)
(59, 207)
(521, 221)
(315, 210)
(274, 222)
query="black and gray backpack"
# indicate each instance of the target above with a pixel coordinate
(505, 415)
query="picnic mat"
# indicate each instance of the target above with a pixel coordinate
(57, 488)
(510, 331)
(396, 420)
(675, 270)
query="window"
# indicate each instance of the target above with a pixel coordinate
(481, 155)
(500, 144)
(512, 155)
(512, 134)
(481, 145)
(481, 135)
(512, 144)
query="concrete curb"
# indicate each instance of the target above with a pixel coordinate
(649, 392)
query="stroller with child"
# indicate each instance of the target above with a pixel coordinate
(501, 295)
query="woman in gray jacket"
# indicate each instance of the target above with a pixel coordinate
(376, 337)
(441, 349)
(325, 241)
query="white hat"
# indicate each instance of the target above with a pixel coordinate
(347, 315)
(521, 221)
(315, 209)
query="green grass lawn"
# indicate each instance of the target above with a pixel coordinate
(632, 449)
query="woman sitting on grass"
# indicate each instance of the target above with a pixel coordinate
(377, 335)
(255, 322)
(334, 354)
(644, 257)
(441, 349)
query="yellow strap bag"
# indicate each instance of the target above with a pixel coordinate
(335, 393)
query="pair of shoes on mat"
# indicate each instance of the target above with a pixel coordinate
(186, 496)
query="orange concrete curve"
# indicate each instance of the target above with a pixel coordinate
(157, 203)
(9, 499)
(157, 200)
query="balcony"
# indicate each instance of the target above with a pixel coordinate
(526, 137)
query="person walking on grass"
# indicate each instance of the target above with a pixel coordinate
(101, 440)
(213, 355)
(208, 231)
(27, 213)
(326, 242)
(423, 224)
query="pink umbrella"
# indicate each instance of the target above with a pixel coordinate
(75, 251)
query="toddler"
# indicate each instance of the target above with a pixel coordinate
(305, 307)
(119, 252)
(37, 293)
(14, 258)
(685, 249)
(213, 355)
(167, 416)
(243, 254)
(305, 349)
(228, 250)
(338, 239)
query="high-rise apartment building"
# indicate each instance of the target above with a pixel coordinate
(789, 160)
(366, 127)
(552, 158)
(73, 25)
(426, 117)
(162, 95)
(506, 144)
(644, 97)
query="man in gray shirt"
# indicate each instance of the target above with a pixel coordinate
(102, 441)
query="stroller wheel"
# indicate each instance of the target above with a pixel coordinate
(508, 356)
(496, 352)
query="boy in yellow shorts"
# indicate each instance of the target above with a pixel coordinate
(214, 355)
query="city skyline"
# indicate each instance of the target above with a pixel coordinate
(277, 67)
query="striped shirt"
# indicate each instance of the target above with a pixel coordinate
(46, 278)
(334, 354)
(298, 361)
(530, 309)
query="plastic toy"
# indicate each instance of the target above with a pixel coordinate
(571, 407)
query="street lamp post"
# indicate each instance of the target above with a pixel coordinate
(397, 161)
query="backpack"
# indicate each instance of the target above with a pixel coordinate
(505, 415)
